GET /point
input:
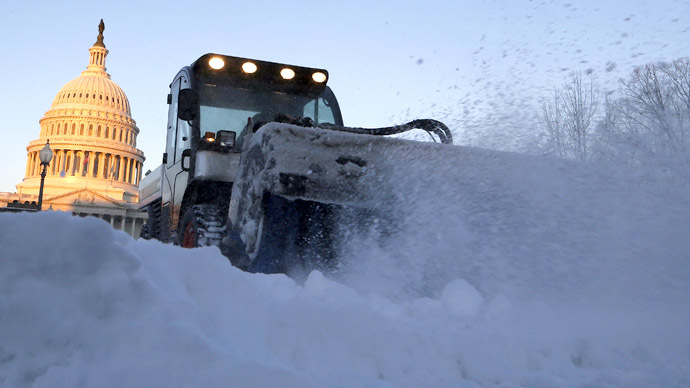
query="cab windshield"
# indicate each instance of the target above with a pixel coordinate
(228, 108)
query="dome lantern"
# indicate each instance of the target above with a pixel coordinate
(97, 53)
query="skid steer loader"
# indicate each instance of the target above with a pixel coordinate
(259, 163)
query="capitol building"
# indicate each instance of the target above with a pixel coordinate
(96, 166)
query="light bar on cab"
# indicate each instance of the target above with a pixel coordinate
(216, 63)
(287, 73)
(249, 67)
(247, 73)
(319, 77)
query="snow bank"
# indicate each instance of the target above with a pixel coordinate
(84, 305)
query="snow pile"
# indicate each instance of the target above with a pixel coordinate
(84, 305)
(501, 271)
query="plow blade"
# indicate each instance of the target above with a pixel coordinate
(299, 188)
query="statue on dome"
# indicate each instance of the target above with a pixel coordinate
(99, 40)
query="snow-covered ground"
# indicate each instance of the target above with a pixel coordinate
(504, 271)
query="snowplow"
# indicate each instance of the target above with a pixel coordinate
(259, 162)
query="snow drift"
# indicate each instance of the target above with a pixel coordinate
(505, 271)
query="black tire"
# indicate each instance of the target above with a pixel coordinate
(201, 225)
(150, 229)
(145, 232)
(276, 234)
(293, 236)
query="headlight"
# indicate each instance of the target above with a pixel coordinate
(210, 137)
(216, 63)
(287, 73)
(249, 67)
(226, 138)
(319, 77)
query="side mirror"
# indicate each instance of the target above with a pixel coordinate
(187, 105)
(186, 157)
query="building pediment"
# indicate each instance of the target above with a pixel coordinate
(84, 197)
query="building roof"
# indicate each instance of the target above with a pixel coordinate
(94, 86)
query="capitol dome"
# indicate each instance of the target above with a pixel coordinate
(95, 90)
(93, 137)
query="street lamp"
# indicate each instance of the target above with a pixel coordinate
(45, 155)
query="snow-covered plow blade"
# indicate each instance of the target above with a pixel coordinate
(298, 188)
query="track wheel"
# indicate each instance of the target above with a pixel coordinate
(201, 225)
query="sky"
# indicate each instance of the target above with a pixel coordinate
(480, 67)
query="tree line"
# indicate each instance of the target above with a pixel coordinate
(643, 125)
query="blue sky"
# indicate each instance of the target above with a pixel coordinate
(478, 66)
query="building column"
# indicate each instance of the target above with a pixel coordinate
(120, 172)
(97, 159)
(76, 163)
(69, 166)
(132, 171)
(54, 162)
(102, 167)
(134, 227)
(92, 162)
(89, 169)
(129, 170)
(27, 171)
(125, 164)
(30, 165)
(110, 167)
(64, 166)
(83, 163)
(37, 164)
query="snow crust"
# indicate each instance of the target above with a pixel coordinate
(501, 271)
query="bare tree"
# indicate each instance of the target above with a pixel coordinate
(568, 119)
(649, 124)
(552, 115)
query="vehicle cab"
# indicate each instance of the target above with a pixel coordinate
(213, 105)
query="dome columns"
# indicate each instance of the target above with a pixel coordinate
(97, 59)
(89, 163)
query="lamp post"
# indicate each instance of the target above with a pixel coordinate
(45, 155)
